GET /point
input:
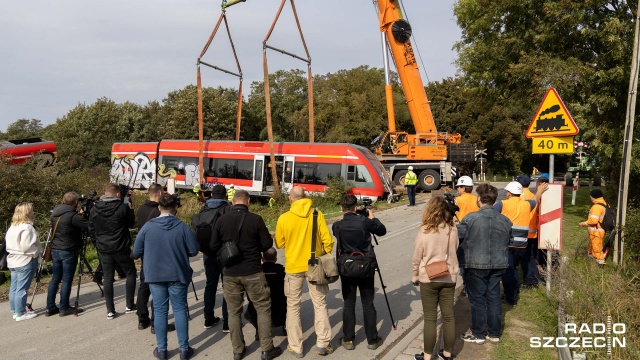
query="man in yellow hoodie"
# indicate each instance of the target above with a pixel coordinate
(596, 232)
(293, 234)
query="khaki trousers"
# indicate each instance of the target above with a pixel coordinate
(293, 284)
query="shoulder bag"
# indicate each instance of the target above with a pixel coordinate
(3, 256)
(355, 264)
(230, 252)
(440, 268)
(47, 251)
(322, 269)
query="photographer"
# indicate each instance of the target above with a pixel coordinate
(66, 245)
(354, 236)
(109, 224)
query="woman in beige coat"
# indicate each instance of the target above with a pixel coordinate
(437, 240)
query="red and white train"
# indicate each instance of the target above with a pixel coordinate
(247, 165)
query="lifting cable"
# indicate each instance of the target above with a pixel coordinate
(223, 17)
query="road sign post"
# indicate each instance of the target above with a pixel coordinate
(481, 152)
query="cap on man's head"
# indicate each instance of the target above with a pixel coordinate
(514, 187)
(596, 193)
(524, 180)
(231, 185)
(410, 168)
(218, 192)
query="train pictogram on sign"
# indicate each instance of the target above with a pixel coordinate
(552, 118)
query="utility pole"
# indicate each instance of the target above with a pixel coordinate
(621, 217)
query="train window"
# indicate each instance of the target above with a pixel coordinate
(176, 163)
(304, 173)
(257, 173)
(324, 172)
(210, 168)
(362, 174)
(351, 173)
(244, 169)
(226, 168)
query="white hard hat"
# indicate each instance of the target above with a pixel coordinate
(465, 181)
(410, 167)
(514, 187)
(231, 185)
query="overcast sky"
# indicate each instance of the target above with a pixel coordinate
(56, 54)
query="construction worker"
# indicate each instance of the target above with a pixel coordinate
(466, 201)
(231, 193)
(596, 233)
(519, 212)
(410, 182)
(530, 259)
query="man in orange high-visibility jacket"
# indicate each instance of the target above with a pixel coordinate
(519, 212)
(466, 201)
(596, 232)
(530, 260)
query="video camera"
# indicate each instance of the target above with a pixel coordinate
(361, 208)
(87, 202)
(451, 201)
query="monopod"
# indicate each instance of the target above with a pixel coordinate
(39, 272)
(384, 291)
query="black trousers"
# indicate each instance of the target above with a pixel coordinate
(350, 287)
(213, 273)
(109, 262)
(143, 300)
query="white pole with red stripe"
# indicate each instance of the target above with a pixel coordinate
(550, 224)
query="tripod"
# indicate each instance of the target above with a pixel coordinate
(393, 323)
(84, 262)
(39, 272)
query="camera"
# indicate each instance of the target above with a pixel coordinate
(86, 203)
(451, 201)
(361, 208)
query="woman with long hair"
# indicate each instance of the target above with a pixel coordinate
(437, 240)
(23, 247)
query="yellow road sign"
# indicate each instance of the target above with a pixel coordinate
(552, 118)
(553, 145)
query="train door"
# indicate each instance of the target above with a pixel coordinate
(258, 171)
(287, 173)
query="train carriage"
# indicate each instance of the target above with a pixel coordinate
(247, 165)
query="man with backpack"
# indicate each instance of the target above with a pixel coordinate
(597, 223)
(203, 223)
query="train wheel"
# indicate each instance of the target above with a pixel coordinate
(43, 160)
(429, 180)
(398, 179)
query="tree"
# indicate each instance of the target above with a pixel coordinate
(23, 128)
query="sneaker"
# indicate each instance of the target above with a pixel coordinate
(26, 316)
(144, 324)
(208, 324)
(240, 355)
(441, 355)
(298, 355)
(347, 344)
(601, 262)
(186, 354)
(225, 326)
(111, 316)
(47, 313)
(493, 340)
(376, 344)
(129, 310)
(15, 316)
(160, 354)
(273, 353)
(418, 356)
(325, 350)
(70, 311)
(469, 337)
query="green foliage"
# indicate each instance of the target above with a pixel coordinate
(22, 129)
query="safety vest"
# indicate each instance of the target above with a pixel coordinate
(411, 178)
(230, 194)
(467, 203)
(533, 223)
(519, 212)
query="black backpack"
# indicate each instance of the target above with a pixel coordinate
(609, 219)
(203, 223)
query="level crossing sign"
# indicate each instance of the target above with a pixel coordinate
(552, 118)
(550, 224)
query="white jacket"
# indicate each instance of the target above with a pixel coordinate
(23, 245)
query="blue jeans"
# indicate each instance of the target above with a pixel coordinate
(213, 273)
(162, 293)
(510, 277)
(64, 267)
(483, 290)
(20, 281)
(411, 194)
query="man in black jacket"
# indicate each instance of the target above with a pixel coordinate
(215, 207)
(109, 224)
(66, 245)
(354, 235)
(251, 235)
(147, 211)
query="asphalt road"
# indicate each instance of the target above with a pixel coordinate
(92, 336)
